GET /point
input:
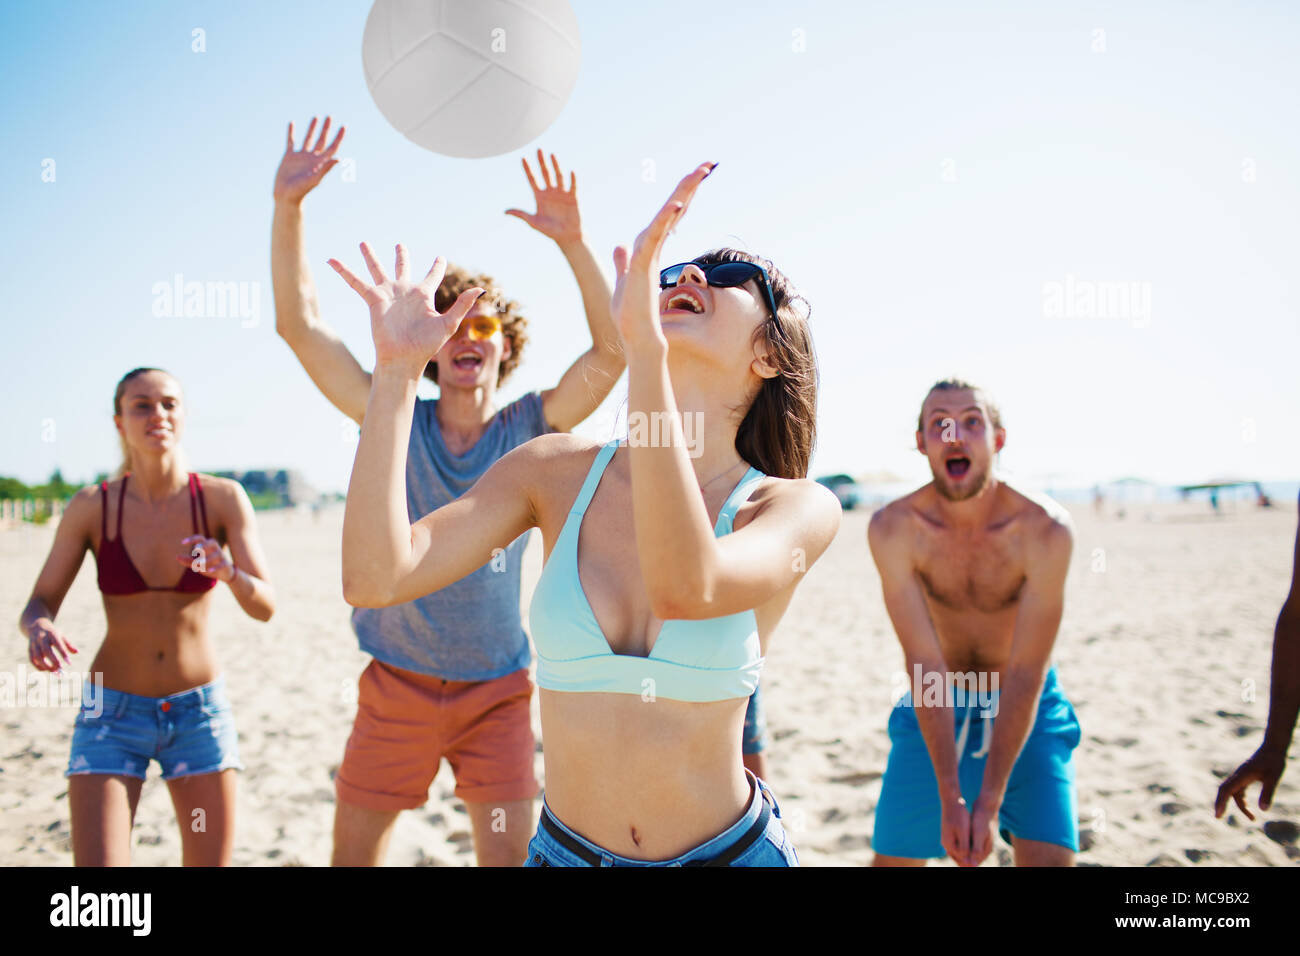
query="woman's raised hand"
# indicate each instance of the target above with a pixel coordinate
(301, 169)
(636, 291)
(408, 330)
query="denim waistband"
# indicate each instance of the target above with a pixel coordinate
(704, 851)
(117, 702)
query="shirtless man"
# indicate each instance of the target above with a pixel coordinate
(973, 574)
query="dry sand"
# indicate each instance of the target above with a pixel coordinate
(1156, 652)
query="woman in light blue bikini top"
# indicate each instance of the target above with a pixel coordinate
(644, 775)
(702, 660)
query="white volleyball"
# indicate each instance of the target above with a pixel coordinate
(471, 78)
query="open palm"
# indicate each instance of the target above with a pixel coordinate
(404, 322)
(635, 303)
(300, 170)
(557, 208)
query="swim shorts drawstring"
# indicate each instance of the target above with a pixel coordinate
(965, 731)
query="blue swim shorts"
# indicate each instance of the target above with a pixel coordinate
(1040, 802)
(742, 844)
(189, 733)
(754, 740)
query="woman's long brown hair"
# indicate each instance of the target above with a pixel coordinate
(779, 429)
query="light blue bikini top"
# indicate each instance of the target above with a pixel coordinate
(714, 659)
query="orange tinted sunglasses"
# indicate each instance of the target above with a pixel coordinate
(480, 327)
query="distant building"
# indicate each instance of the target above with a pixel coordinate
(286, 485)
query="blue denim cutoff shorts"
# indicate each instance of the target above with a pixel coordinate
(189, 733)
(771, 848)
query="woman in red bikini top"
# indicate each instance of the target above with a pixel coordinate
(156, 676)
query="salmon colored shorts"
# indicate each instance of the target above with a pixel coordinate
(407, 722)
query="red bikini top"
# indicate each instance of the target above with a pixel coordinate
(117, 573)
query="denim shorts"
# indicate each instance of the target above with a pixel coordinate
(754, 740)
(772, 848)
(189, 733)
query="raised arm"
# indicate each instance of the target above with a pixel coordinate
(1038, 617)
(589, 380)
(888, 536)
(244, 569)
(386, 559)
(688, 572)
(1269, 761)
(324, 356)
(47, 647)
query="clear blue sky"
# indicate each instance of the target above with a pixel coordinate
(922, 170)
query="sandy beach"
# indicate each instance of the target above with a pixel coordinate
(1168, 622)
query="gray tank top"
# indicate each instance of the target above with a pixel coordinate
(470, 630)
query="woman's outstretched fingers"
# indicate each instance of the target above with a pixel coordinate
(362, 289)
(460, 308)
(311, 128)
(651, 240)
(403, 266)
(376, 270)
(650, 243)
(433, 278)
(685, 190)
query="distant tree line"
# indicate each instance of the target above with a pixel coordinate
(266, 489)
(55, 488)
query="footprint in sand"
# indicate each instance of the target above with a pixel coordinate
(853, 841)
(319, 795)
(857, 779)
(1284, 832)
(1173, 808)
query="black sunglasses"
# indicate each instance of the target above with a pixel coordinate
(723, 275)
